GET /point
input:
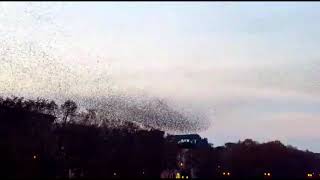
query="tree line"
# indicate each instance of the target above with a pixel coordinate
(39, 138)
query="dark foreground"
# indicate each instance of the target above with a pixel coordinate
(39, 139)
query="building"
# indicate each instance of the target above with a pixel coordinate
(184, 158)
(189, 141)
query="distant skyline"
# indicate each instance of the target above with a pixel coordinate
(254, 65)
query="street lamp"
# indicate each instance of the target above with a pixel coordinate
(267, 174)
(309, 175)
(226, 173)
(178, 176)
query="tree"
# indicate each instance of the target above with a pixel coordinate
(52, 108)
(69, 109)
(88, 117)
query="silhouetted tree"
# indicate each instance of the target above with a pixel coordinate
(69, 109)
(32, 147)
(52, 108)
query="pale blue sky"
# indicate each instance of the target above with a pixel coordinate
(254, 64)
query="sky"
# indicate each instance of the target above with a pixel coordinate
(252, 67)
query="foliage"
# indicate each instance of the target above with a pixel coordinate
(33, 146)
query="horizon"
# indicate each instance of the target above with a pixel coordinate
(250, 69)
